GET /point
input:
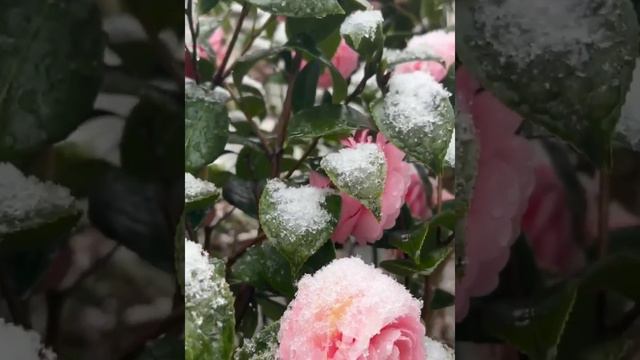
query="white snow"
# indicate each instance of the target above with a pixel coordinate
(197, 188)
(437, 351)
(362, 24)
(414, 102)
(20, 344)
(450, 157)
(25, 200)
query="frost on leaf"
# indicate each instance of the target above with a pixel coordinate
(20, 344)
(300, 8)
(362, 29)
(263, 345)
(360, 172)
(572, 74)
(450, 156)
(26, 204)
(629, 124)
(199, 193)
(209, 324)
(298, 220)
(416, 116)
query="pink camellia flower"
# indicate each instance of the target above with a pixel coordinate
(504, 181)
(417, 201)
(439, 42)
(355, 218)
(345, 60)
(217, 42)
(363, 315)
(548, 222)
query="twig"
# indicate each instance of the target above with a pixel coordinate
(245, 246)
(283, 123)
(194, 39)
(304, 157)
(218, 78)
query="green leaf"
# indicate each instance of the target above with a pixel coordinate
(264, 268)
(316, 29)
(612, 273)
(198, 193)
(34, 214)
(253, 106)
(300, 8)
(304, 88)
(165, 348)
(411, 244)
(441, 299)
(360, 172)
(206, 128)
(326, 120)
(204, 6)
(243, 194)
(298, 221)
(48, 82)
(363, 32)
(573, 89)
(263, 346)
(253, 164)
(417, 123)
(402, 267)
(535, 329)
(339, 83)
(209, 322)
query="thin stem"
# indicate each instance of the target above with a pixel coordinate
(304, 157)
(603, 211)
(218, 78)
(283, 123)
(253, 125)
(194, 39)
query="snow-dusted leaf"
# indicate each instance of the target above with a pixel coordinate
(416, 116)
(393, 57)
(209, 322)
(32, 211)
(199, 193)
(264, 268)
(450, 156)
(363, 31)
(325, 120)
(18, 344)
(300, 8)
(360, 172)
(298, 220)
(629, 124)
(263, 345)
(206, 127)
(48, 82)
(565, 65)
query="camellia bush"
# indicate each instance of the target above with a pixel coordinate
(319, 159)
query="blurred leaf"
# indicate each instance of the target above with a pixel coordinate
(253, 106)
(304, 88)
(296, 245)
(138, 214)
(206, 128)
(300, 8)
(271, 308)
(210, 322)
(162, 15)
(165, 348)
(617, 349)
(201, 198)
(534, 329)
(326, 120)
(612, 273)
(402, 267)
(249, 321)
(263, 346)
(322, 257)
(49, 82)
(204, 6)
(582, 97)
(76, 170)
(243, 194)
(150, 147)
(442, 299)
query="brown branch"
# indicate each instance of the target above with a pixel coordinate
(218, 78)
(306, 154)
(285, 116)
